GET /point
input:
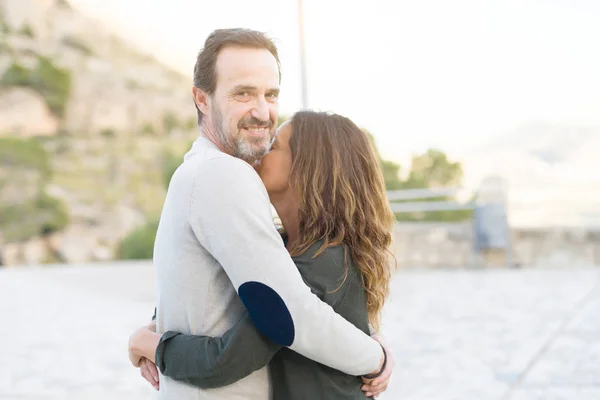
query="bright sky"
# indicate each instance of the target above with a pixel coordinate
(448, 74)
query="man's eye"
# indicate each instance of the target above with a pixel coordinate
(243, 96)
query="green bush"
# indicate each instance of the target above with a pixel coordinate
(4, 28)
(148, 129)
(132, 85)
(55, 214)
(64, 4)
(77, 44)
(170, 122)
(39, 214)
(26, 31)
(191, 124)
(37, 217)
(52, 82)
(108, 133)
(171, 162)
(25, 153)
(16, 75)
(139, 244)
(4, 47)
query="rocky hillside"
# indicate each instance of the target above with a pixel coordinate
(86, 122)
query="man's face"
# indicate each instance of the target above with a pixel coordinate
(243, 109)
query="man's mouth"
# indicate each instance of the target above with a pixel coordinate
(256, 130)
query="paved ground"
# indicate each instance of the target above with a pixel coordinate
(456, 335)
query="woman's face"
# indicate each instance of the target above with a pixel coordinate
(275, 167)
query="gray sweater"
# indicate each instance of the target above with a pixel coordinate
(218, 254)
(206, 362)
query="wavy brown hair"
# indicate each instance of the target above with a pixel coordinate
(341, 193)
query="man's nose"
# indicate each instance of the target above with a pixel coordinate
(261, 110)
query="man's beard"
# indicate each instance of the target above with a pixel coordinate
(249, 149)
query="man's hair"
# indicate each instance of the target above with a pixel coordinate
(205, 74)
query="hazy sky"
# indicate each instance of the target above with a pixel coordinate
(449, 74)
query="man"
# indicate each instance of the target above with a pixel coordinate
(217, 249)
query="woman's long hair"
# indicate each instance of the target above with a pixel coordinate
(340, 189)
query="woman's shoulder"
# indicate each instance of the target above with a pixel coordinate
(316, 254)
(329, 266)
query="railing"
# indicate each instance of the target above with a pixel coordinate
(489, 218)
(427, 206)
(529, 206)
(496, 216)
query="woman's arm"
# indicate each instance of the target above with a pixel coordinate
(206, 361)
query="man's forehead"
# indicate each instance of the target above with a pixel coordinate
(248, 67)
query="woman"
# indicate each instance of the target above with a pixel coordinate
(324, 180)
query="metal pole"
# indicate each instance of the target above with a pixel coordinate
(304, 91)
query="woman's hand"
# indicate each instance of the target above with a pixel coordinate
(142, 344)
(374, 387)
(149, 372)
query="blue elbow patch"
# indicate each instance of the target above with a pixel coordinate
(268, 311)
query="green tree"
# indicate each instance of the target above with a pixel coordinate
(391, 175)
(433, 169)
(390, 170)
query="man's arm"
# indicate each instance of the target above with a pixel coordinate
(231, 216)
(209, 362)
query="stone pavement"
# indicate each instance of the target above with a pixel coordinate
(456, 335)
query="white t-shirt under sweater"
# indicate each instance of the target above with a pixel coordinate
(218, 251)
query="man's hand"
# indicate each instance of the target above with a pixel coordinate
(374, 387)
(149, 372)
(143, 343)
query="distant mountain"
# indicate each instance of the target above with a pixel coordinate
(553, 172)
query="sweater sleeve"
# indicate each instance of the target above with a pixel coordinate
(210, 362)
(230, 215)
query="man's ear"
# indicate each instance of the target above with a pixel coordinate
(201, 99)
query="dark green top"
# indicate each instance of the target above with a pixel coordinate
(208, 362)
